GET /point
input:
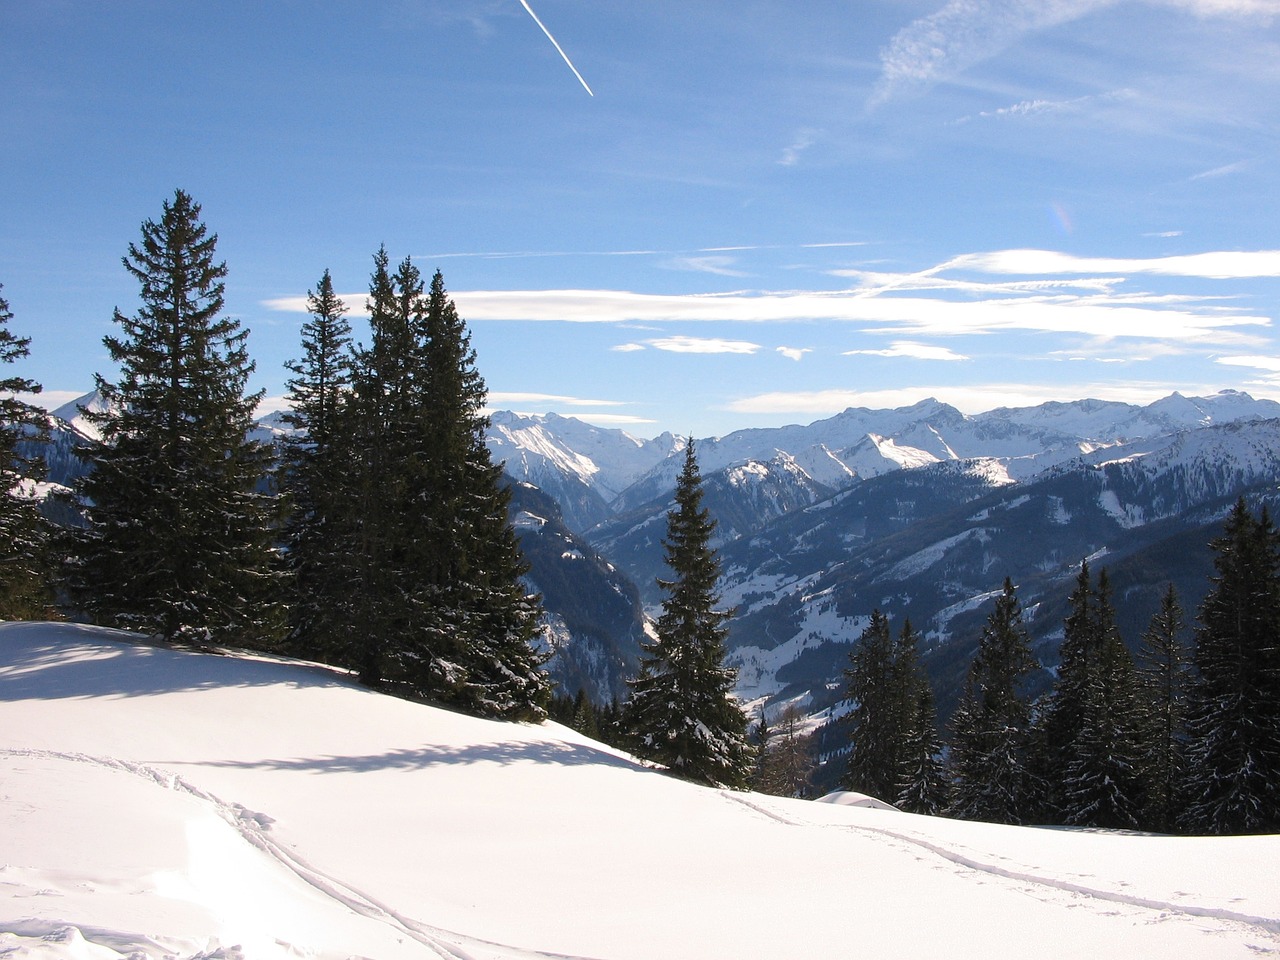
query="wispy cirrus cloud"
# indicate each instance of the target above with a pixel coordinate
(717, 264)
(803, 140)
(1217, 265)
(510, 399)
(1226, 170)
(980, 293)
(911, 350)
(685, 344)
(963, 33)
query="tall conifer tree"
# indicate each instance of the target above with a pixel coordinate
(315, 474)
(875, 721)
(682, 712)
(1091, 726)
(1233, 763)
(921, 786)
(25, 568)
(433, 602)
(1163, 666)
(179, 533)
(470, 558)
(989, 760)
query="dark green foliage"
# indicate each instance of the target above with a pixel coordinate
(315, 474)
(1233, 758)
(25, 569)
(1163, 667)
(876, 716)
(989, 763)
(682, 713)
(894, 742)
(409, 569)
(1092, 719)
(178, 538)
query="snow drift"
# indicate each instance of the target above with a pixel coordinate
(158, 803)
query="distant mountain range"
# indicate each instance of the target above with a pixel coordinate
(920, 512)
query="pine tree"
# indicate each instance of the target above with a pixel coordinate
(921, 778)
(472, 556)
(370, 620)
(989, 762)
(875, 722)
(178, 538)
(1091, 722)
(434, 604)
(25, 569)
(1163, 667)
(315, 474)
(1233, 761)
(682, 712)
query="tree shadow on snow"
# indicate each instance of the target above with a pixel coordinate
(63, 661)
(506, 753)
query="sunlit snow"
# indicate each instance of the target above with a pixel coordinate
(166, 804)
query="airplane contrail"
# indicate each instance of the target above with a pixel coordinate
(559, 49)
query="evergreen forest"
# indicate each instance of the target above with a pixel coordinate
(377, 539)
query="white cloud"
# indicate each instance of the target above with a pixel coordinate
(1037, 291)
(911, 350)
(1216, 265)
(683, 344)
(794, 353)
(802, 142)
(1270, 364)
(964, 33)
(507, 399)
(627, 347)
(1223, 171)
(719, 265)
(1143, 316)
(49, 400)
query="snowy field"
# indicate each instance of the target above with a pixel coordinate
(163, 804)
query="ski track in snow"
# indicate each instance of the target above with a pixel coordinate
(1267, 926)
(252, 827)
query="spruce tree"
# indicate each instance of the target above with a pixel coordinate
(372, 520)
(1091, 723)
(682, 712)
(470, 558)
(1163, 667)
(989, 762)
(315, 473)
(179, 532)
(921, 783)
(25, 569)
(434, 603)
(1233, 761)
(875, 722)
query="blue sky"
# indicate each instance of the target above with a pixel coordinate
(762, 213)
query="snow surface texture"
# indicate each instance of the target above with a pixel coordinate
(155, 803)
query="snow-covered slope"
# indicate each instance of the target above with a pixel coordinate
(166, 804)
